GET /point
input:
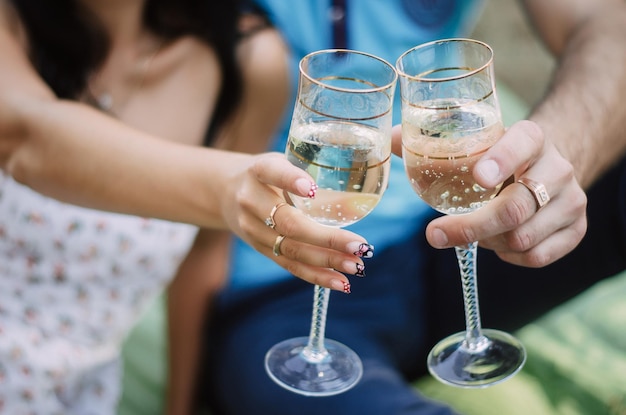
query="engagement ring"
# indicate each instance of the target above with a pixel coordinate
(269, 221)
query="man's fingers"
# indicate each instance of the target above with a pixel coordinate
(550, 249)
(514, 152)
(506, 212)
(396, 140)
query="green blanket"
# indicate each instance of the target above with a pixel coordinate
(576, 362)
(145, 365)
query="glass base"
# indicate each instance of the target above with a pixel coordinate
(497, 357)
(330, 373)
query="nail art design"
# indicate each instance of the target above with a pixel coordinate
(360, 270)
(365, 251)
(346, 287)
(312, 191)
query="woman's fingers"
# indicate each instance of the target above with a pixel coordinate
(318, 254)
(296, 225)
(325, 277)
(315, 253)
(275, 170)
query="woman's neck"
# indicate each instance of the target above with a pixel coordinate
(121, 19)
(131, 52)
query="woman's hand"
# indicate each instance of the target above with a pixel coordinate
(316, 253)
(513, 225)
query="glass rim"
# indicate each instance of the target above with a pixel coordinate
(323, 84)
(419, 78)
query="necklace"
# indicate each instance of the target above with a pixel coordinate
(104, 100)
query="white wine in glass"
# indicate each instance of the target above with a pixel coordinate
(450, 118)
(341, 135)
(349, 165)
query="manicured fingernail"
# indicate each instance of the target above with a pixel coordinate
(306, 187)
(439, 239)
(489, 171)
(360, 270)
(354, 268)
(361, 249)
(340, 286)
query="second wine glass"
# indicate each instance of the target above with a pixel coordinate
(450, 118)
(341, 135)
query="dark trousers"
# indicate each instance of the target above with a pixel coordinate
(382, 320)
(395, 315)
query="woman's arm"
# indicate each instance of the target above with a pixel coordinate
(73, 153)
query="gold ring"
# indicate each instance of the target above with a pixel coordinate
(277, 242)
(269, 221)
(537, 189)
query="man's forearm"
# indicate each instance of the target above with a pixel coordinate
(583, 112)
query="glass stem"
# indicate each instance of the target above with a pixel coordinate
(466, 255)
(315, 350)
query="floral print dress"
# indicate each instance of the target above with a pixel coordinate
(73, 281)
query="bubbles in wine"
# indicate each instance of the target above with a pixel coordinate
(442, 141)
(350, 164)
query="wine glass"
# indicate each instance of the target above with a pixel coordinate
(341, 135)
(450, 117)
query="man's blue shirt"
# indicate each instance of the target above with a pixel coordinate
(385, 28)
